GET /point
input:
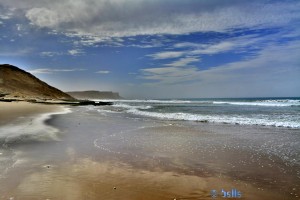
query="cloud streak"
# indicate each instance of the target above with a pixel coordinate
(167, 55)
(103, 72)
(183, 62)
(274, 59)
(51, 71)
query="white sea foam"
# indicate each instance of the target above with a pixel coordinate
(146, 101)
(31, 129)
(143, 107)
(233, 119)
(273, 103)
(106, 111)
(280, 119)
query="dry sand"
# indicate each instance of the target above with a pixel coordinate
(11, 111)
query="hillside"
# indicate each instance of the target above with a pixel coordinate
(94, 95)
(16, 83)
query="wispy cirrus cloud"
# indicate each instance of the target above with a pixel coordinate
(75, 52)
(103, 72)
(72, 52)
(167, 55)
(192, 49)
(169, 75)
(270, 62)
(51, 71)
(191, 52)
(183, 62)
(50, 53)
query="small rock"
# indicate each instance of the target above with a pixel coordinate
(48, 166)
(115, 188)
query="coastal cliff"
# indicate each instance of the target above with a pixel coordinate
(16, 83)
(92, 94)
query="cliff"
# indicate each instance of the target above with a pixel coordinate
(16, 83)
(94, 95)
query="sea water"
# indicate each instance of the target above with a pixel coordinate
(278, 112)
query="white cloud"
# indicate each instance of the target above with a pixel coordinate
(190, 50)
(75, 52)
(95, 21)
(169, 75)
(279, 60)
(72, 52)
(5, 14)
(103, 72)
(50, 53)
(183, 62)
(214, 48)
(167, 55)
(50, 71)
(44, 17)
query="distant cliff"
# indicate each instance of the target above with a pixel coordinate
(94, 94)
(16, 83)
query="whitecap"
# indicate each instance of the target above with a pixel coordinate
(229, 119)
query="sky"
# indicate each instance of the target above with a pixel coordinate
(157, 48)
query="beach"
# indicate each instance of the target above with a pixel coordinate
(12, 111)
(107, 152)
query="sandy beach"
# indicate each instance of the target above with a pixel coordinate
(12, 111)
(105, 155)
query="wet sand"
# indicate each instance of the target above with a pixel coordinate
(113, 156)
(88, 179)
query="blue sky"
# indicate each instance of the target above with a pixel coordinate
(157, 48)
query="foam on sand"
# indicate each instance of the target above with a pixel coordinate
(31, 129)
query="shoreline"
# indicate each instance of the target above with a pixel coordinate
(146, 159)
(26, 122)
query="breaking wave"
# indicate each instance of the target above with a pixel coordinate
(276, 103)
(280, 120)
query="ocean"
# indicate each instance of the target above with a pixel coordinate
(277, 112)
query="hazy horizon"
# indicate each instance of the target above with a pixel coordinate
(157, 49)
